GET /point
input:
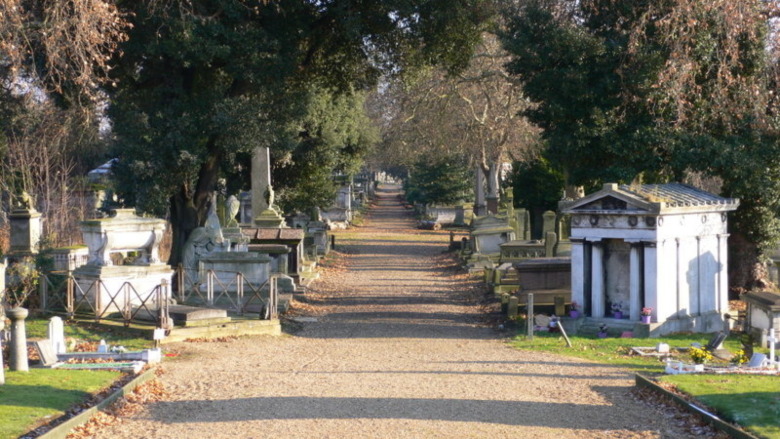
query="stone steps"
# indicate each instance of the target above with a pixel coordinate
(590, 326)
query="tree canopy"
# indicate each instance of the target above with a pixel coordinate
(201, 82)
(655, 91)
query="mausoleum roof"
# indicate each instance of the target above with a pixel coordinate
(677, 195)
(650, 198)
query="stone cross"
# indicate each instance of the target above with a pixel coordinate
(57, 335)
(261, 180)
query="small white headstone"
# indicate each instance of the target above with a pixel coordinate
(662, 348)
(57, 335)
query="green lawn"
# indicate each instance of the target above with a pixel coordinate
(751, 401)
(85, 331)
(30, 399)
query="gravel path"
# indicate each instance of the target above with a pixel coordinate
(397, 352)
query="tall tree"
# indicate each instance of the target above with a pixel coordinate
(656, 90)
(203, 80)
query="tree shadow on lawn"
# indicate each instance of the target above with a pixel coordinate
(513, 413)
(48, 397)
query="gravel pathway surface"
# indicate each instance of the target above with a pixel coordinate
(396, 351)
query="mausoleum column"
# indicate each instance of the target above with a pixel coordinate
(578, 272)
(634, 280)
(650, 277)
(598, 293)
(722, 278)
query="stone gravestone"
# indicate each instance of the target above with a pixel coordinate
(45, 351)
(57, 335)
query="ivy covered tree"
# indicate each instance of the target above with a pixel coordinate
(202, 82)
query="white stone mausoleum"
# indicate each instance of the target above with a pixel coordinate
(657, 246)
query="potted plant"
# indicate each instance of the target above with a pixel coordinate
(647, 314)
(603, 330)
(699, 356)
(574, 310)
(617, 311)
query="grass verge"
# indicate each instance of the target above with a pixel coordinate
(750, 401)
(28, 400)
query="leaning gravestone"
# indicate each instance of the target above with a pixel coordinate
(57, 335)
(45, 352)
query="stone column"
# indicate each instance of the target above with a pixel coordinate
(18, 359)
(578, 272)
(480, 208)
(598, 292)
(260, 179)
(493, 195)
(651, 276)
(634, 280)
(722, 279)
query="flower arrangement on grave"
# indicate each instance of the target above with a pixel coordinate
(616, 308)
(699, 355)
(574, 310)
(739, 357)
(646, 311)
(603, 330)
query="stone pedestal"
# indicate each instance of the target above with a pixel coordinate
(269, 218)
(25, 232)
(18, 358)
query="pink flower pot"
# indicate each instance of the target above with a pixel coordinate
(646, 319)
(574, 313)
(617, 315)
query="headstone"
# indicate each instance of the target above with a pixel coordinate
(2, 368)
(45, 351)
(56, 335)
(512, 307)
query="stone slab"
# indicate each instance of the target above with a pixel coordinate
(186, 313)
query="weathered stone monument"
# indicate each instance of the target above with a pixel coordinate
(654, 246)
(25, 224)
(264, 214)
(124, 232)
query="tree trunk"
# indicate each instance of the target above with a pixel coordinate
(746, 270)
(189, 208)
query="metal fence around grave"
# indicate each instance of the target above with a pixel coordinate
(230, 290)
(61, 293)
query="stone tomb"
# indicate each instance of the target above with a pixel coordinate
(488, 233)
(658, 246)
(763, 315)
(102, 281)
(290, 238)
